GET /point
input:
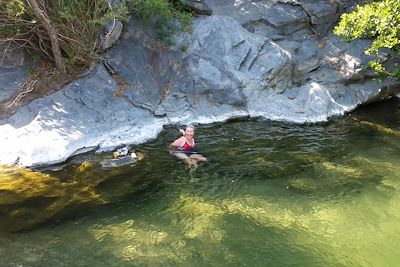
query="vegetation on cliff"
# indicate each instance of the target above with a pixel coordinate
(379, 21)
(67, 32)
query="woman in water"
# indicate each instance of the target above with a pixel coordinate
(184, 148)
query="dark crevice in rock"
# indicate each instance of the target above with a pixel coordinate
(305, 12)
(245, 59)
(143, 106)
(258, 54)
(238, 44)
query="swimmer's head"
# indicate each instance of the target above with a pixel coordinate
(190, 126)
(189, 132)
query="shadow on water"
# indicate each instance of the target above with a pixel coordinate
(272, 194)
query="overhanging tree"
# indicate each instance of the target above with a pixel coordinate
(379, 21)
(67, 31)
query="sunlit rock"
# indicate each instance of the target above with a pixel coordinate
(385, 172)
(262, 211)
(379, 128)
(201, 218)
(302, 184)
(321, 220)
(309, 157)
(140, 244)
(340, 170)
(83, 167)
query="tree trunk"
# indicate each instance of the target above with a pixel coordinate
(51, 31)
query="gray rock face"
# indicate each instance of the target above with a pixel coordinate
(250, 58)
(286, 18)
(241, 11)
(13, 69)
(10, 78)
(84, 116)
(322, 13)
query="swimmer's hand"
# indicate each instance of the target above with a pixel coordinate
(182, 131)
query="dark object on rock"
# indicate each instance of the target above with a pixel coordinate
(122, 156)
(197, 6)
(110, 34)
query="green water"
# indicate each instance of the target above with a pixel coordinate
(272, 194)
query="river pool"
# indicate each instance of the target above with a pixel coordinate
(272, 194)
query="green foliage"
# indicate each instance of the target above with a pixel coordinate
(78, 24)
(379, 21)
(167, 16)
(11, 9)
(15, 8)
(8, 30)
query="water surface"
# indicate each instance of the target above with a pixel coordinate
(272, 194)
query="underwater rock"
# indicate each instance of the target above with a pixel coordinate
(230, 68)
(29, 198)
(303, 184)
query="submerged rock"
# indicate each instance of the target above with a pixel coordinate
(228, 67)
(29, 198)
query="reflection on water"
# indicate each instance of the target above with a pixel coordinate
(272, 194)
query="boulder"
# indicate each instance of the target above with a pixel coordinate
(85, 115)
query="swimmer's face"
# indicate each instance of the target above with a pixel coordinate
(189, 132)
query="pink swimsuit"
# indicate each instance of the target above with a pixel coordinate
(187, 148)
(186, 145)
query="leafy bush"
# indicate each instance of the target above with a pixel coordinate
(78, 24)
(167, 16)
(379, 21)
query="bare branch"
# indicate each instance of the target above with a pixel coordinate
(52, 33)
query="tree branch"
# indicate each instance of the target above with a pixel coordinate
(51, 32)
